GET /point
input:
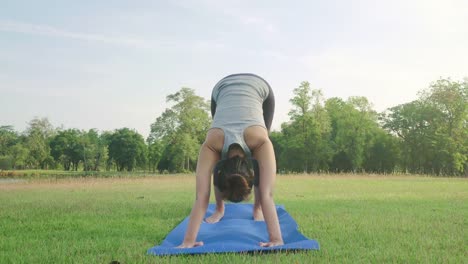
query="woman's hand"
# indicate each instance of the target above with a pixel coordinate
(271, 244)
(191, 245)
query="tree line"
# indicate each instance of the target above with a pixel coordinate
(428, 136)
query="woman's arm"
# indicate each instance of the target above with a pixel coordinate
(257, 139)
(207, 158)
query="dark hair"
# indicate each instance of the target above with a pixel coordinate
(235, 179)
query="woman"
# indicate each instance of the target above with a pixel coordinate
(242, 106)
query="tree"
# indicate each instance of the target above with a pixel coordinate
(95, 151)
(321, 152)
(301, 101)
(448, 100)
(19, 154)
(8, 138)
(67, 148)
(180, 130)
(127, 149)
(382, 155)
(433, 129)
(155, 152)
(298, 132)
(352, 125)
(277, 139)
(106, 138)
(182, 153)
(412, 123)
(38, 134)
(304, 141)
(294, 154)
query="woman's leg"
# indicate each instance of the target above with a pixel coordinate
(219, 212)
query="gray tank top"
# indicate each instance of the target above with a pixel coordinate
(239, 100)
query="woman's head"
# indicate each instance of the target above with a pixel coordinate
(235, 179)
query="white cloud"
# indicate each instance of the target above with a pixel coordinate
(45, 30)
(241, 13)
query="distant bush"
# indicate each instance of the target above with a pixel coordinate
(6, 163)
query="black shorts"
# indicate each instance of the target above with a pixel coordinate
(268, 105)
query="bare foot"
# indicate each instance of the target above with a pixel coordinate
(271, 244)
(258, 214)
(215, 217)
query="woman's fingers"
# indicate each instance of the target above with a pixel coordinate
(262, 244)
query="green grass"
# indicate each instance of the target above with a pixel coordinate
(62, 174)
(356, 219)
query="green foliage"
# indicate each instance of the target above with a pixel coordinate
(179, 132)
(427, 136)
(11, 148)
(72, 147)
(6, 162)
(301, 101)
(382, 154)
(127, 149)
(433, 129)
(331, 135)
(353, 125)
(8, 138)
(19, 154)
(38, 134)
(155, 153)
(277, 139)
(305, 138)
(95, 152)
(66, 148)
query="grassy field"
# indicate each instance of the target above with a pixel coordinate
(61, 174)
(356, 219)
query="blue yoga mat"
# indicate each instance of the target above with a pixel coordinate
(236, 232)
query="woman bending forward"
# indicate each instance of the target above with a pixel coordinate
(239, 153)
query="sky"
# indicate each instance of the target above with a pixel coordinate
(110, 64)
